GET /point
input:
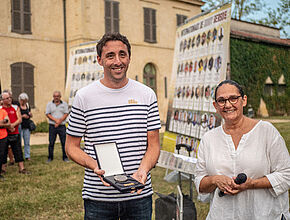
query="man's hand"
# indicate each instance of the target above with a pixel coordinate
(100, 173)
(140, 176)
(11, 128)
(57, 122)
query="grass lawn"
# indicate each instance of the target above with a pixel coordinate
(53, 191)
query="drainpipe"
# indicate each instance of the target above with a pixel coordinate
(65, 41)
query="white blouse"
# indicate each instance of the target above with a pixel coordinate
(261, 152)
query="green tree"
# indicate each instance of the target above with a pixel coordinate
(278, 17)
(240, 8)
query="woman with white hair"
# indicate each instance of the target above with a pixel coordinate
(24, 128)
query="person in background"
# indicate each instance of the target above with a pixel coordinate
(115, 109)
(243, 145)
(14, 139)
(57, 112)
(24, 126)
(10, 153)
(4, 125)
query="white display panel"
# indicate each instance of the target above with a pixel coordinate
(109, 159)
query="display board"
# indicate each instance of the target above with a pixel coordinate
(83, 69)
(201, 61)
(177, 162)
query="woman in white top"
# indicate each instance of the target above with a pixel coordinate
(243, 145)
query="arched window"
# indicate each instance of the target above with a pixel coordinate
(149, 76)
(269, 87)
(22, 80)
(281, 85)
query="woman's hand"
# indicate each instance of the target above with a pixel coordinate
(237, 188)
(249, 184)
(25, 116)
(224, 183)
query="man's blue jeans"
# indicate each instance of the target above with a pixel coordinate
(61, 132)
(136, 209)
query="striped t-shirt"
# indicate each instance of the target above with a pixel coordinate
(124, 116)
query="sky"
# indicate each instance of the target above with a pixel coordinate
(268, 4)
(263, 13)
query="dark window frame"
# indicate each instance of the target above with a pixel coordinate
(22, 80)
(281, 90)
(112, 18)
(150, 26)
(180, 19)
(21, 16)
(269, 89)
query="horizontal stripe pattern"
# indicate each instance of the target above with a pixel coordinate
(127, 125)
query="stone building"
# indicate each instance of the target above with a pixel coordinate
(35, 37)
(260, 60)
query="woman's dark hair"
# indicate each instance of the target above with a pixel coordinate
(231, 82)
(112, 37)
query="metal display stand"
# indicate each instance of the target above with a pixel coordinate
(188, 148)
(179, 204)
(183, 165)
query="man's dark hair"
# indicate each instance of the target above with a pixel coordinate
(113, 37)
(231, 82)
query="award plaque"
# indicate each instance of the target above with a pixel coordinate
(108, 159)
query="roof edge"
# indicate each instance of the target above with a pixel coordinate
(259, 38)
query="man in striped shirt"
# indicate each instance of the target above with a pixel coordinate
(115, 109)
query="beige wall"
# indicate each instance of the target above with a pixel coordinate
(44, 48)
(258, 29)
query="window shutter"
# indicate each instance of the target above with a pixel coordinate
(29, 82)
(28, 74)
(16, 22)
(16, 16)
(107, 17)
(26, 17)
(22, 80)
(146, 25)
(21, 16)
(27, 23)
(153, 27)
(16, 80)
(16, 5)
(149, 25)
(26, 6)
(116, 16)
(16, 74)
(111, 16)
(180, 19)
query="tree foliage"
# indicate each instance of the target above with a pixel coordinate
(240, 8)
(252, 63)
(278, 17)
(244, 9)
